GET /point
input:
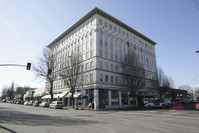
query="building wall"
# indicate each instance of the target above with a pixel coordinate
(102, 45)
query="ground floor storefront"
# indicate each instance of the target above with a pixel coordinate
(100, 98)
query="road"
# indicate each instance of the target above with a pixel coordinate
(27, 119)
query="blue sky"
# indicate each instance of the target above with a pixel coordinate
(27, 26)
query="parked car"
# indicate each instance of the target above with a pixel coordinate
(20, 102)
(26, 103)
(150, 104)
(44, 104)
(36, 103)
(175, 102)
(30, 103)
(4, 100)
(189, 101)
(56, 105)
(162, 103)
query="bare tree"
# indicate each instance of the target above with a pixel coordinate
(186, 87)
(133, 75)
(46, 67)
(71, 73)
(21, 91)
(165, 83)
(8, 92)
(197, 92)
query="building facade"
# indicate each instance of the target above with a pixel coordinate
(102, 42)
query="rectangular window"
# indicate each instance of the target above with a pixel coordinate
(92, 42)
(101, 77)
(112, 68)
(91, 65)
(116, 80)
(106, 78)
(80, 49)
(86, 78)
(111, 56)
(115, 29)
(116, 68)
(110, 26)
(83, 56)
(106, 54)
(112, 79)
(106, 44)
(87, 66)
(84, 47)
(119, 31)
(106, 66)
(116, 58)
(87, 55)
(111, 46)
(106, 24)
(91, 53)
(87, 45)
(100, 42)
(82, 79)
(100, 53)
(91, 77)
(100, 64)
(100, 22)
(115, 97)
(82, 68)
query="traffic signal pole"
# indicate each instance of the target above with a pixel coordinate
(28, 66)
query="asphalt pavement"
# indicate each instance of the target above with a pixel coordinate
(27, 119)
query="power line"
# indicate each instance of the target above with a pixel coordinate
(175, 37)
(24, 49)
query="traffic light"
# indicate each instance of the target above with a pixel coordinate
(49, 71)
(28, 67)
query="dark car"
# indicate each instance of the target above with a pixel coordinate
(36, 103)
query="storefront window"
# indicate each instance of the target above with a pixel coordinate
(124, 97)
(115, 97)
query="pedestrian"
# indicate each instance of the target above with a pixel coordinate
(90, 106)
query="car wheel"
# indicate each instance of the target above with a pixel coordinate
(163, 106)
(148, 107)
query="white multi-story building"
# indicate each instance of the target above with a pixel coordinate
(102, 41)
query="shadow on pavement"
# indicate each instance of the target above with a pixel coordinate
(21, 118)
(9, 130)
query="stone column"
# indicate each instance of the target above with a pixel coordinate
(83, 99)
(68, 101)
(129, 98)
(96, 99)
(120, 98)
(109, 97)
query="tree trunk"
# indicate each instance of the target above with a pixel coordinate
(51, 91)
(73, 100)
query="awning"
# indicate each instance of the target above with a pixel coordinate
(39, 92)
(46, 97)
(68, 95)
(77, 94)
(25, 96)
(62, 94)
